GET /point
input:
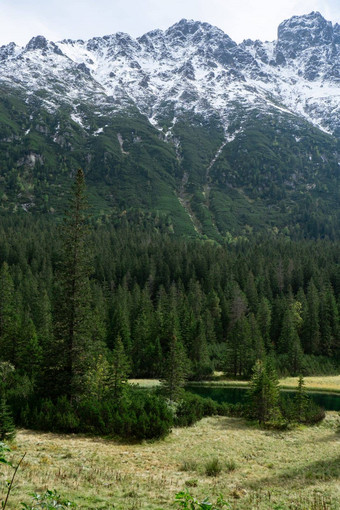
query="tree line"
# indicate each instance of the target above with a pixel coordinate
(85, 303)
(227, 306)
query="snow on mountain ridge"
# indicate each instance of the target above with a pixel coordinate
(191, 66)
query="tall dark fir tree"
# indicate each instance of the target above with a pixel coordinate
(72, 347)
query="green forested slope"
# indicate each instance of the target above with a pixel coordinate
(226, 305)
(278, 174)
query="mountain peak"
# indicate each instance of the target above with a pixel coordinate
(301, 32)
(188, 25)
(38, 42)
(191, 27)
(7, 51)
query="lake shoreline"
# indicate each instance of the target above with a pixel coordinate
(313, 384)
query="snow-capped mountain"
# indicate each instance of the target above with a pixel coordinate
(214, 137)
(192, 66)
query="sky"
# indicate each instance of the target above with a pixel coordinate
(82, 19)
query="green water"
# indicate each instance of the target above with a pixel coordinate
(329, 401)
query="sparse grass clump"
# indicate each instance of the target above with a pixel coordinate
(191, 483)
(213, 467)
(189, 465)
(231, 465)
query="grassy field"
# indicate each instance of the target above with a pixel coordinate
(261, 470)
(322, 383)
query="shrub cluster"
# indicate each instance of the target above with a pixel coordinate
(137, 415)
(192, 408)
(310, 414)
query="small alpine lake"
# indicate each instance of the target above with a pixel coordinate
(232, 395)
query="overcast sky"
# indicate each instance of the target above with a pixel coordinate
(82, 19)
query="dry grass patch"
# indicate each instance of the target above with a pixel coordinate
(145, 383)
(271, 468)
(322, 383)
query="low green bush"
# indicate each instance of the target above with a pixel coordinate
(48, 501)
(138, 415)
(187, 502)
(192, 408)
(189, 410)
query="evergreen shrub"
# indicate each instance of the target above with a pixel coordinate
(189, 410)
(192, 408)
(313, 413)
(137, 415)
(7, 428)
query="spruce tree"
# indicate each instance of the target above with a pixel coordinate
(7, 428)
(29, 352)
(142, 333)
(301, 400)
(176, 370)
(329, 322)
(199, 353)
(238, 335)
(311, 326)
(239, 356)
(8, 316)
(264, 317)
(289, 341)
(255, 349)
(119, 370)
(263, 395)
(72, 347)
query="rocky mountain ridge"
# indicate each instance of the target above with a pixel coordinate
(214, 137)
(192, 66)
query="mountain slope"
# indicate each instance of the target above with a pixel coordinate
(210, 137)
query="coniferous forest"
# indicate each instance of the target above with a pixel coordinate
(85, 304)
